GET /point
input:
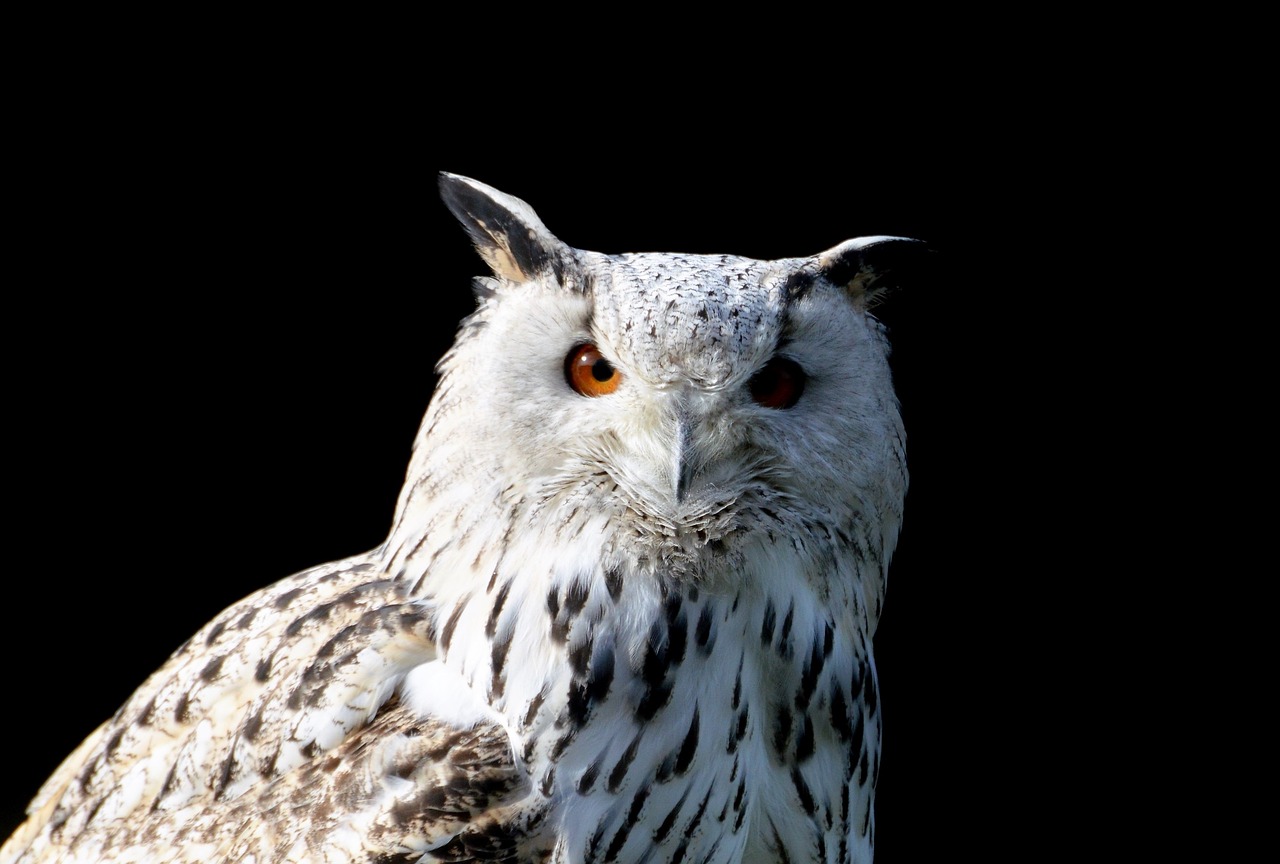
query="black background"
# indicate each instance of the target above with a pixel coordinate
(238, 296)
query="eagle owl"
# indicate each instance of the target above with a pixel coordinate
(624, 612)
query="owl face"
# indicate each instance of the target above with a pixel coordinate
(703, 399)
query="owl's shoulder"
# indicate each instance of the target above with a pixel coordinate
(248, 709)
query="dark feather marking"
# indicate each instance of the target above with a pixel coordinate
(224, 776)
(567, 608)
(655, 699)
(613, 582)
(696, 819)
(329, 648)
(268, 766)
(862, 769)
(548, 781)
(580, 658)
(671, 606)
(593, 848)
(737, 685)
(690, 745)
(737, 823)
(283, 601)
(783, 857)
(576, 597)
(499, 600)
(632, 818)
(585, 692)
(872, 695)
(738, 733)
(839, 713)
(498, 657)
(828, 640)
(782, 731)
(215, 632)
(245, 621)
(212, 668)
(797, 285)
(165, 789)
(578, 708)
(60, 817)
(417, 586)
(446, 635)
(182, 711)
(294, 627)
(263, 672)
(439, 749)
(557, 749)
(804, 744)
(252, 725)
(534, 705)
(669, 822)
(588, 778)
(809, 677)
(667, 769)
(787, 622)
(654, 669)
(844, 822)
(677, 632)
(114, 741)
(766, 629)
(703, 634)
(619, 772)
(601, 672)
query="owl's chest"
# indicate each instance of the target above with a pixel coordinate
(681, 721)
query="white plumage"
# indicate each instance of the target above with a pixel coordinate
(624, 612)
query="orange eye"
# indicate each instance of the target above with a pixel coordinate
(589, 373)
(779, 384)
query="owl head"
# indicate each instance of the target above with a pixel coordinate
(699, 405)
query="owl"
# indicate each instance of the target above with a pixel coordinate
(624, 612)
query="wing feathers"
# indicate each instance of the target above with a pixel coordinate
(287, 702)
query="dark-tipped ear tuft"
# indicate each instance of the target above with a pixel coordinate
(867, 266)
(506, 232)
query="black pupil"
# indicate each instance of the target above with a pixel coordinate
(601, 370)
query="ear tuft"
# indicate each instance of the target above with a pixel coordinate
(506, 232)
(868, 266)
